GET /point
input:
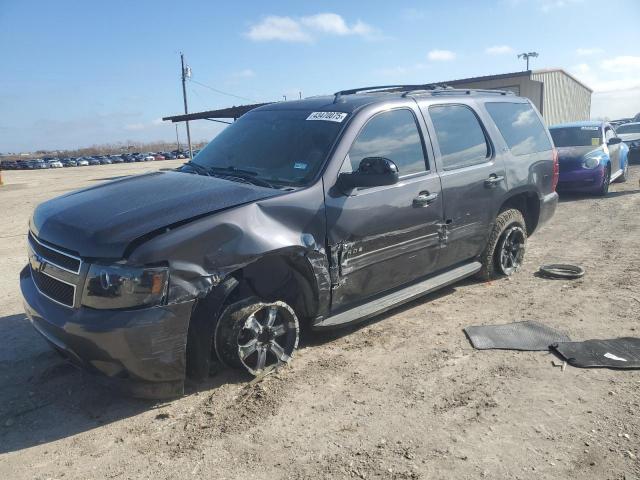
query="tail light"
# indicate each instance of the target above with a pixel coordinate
(556, 170)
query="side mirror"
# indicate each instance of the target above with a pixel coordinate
(614, 141)
(372, 172)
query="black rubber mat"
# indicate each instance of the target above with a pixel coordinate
(527, 335)
(614, 353)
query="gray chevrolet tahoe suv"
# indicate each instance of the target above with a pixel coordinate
(314, 213)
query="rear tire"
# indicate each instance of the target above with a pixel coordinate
(505, 249)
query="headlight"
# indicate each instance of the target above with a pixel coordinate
(120, 286)
(592, 160)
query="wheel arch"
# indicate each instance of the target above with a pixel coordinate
(295, 276)
(527, 201)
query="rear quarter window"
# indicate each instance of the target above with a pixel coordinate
(520, 127)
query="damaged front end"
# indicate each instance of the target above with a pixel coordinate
(146, 320)
(141, 350)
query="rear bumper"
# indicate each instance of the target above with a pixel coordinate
(548, 205)
(141, 352)
(582, 180)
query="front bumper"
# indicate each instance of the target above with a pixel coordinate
(142, 351)
(581, 180)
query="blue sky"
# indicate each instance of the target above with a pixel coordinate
(77, 73)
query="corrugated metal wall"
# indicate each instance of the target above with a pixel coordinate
(564, 99)
(520, 85)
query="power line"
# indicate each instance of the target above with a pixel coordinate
(220, 91)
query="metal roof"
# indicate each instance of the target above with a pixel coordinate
(231, 112)
(524, 73)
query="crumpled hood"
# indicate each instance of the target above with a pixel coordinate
(101, 221)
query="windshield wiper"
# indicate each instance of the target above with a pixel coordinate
(197, 167)
(248, 176)
(233, 170)
(230, 172)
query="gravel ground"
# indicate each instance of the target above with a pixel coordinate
(403, 396)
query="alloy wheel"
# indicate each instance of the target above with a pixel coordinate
(268, 337)
(511, 250)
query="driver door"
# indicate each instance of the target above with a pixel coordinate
(383, 237)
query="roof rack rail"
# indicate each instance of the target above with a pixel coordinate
(424, 89)
(465, 91)
(387, 88)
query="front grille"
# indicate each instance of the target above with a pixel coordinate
(53, 288)
(55, 272)
(54, 256)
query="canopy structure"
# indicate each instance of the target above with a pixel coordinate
(215, 115)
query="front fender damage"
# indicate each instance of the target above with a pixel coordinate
(206, 259)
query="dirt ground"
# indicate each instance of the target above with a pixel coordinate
(403, 396)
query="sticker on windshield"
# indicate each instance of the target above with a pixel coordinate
(300, 166)
(589, 128)
(328, 116)
(595, 141)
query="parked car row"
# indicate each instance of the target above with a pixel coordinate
(61, 162)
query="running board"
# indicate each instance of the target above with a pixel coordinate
(394, 299)
(615, 176)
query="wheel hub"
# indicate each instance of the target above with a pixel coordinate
(511, 251)
(268, 338)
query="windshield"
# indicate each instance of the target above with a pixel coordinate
(634, 128)
(278, 146)
(576, 136)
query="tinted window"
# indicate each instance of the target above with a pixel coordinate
(520, 127)
(278, 145)
(460, 136)
(576, 136)
(393, 135)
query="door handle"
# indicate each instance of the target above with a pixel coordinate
(493, 180)
(424, 199)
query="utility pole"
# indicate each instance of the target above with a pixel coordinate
(186, 73)
(177, 139)
(526, 56)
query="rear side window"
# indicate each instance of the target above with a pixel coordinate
(460, 137)
(393, 135)
(520, 127)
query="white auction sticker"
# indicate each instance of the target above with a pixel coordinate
(328, 116)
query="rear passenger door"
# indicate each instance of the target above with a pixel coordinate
(472, 177)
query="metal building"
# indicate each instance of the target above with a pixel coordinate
(558, 96)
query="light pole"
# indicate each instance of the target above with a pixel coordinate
(186, 73)
(526, 56)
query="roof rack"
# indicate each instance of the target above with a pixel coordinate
(386, 88)
(465, 91)
(424, 89)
